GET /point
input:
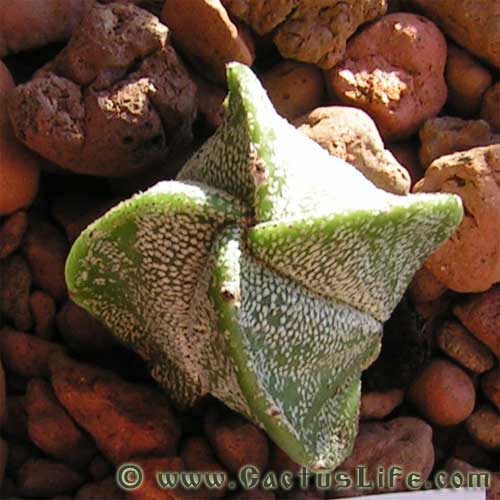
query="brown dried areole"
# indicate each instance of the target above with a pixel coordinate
(313, 31)
(115, 100)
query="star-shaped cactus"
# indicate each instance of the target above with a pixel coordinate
(262, 275)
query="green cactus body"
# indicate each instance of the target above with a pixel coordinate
(262, 275)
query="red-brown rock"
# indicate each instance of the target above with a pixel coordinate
(198, 456)
(149, 490)
(3, 397)
(460, 345)
(425, 287)
(443, 393)
(206, 34)
(125, 419)
(279, 461)
(467, 81)
(17, 421)
(406, 153)
(484, 426)
(81, 331)
(20, 452)
(75, 211)
(237, 442)
(394, 70)
(26, 354)
(473, 25)
(52, 429)
(490, 107)
(445, 135)
(15, 283)
(43, 310)
(454, 465)
(350, 134)
(106, 489)
(11, 233)
(490, 383)
(376, 405)
(470, 260)
(4, 453)
(46, 249)
(99, 468)
(404, 441)
(294, 88)
(46, 478)
(480, 315)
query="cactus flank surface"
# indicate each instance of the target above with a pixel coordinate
(262, 275)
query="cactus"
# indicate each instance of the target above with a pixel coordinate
(262, 275)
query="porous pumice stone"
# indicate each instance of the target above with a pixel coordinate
(394, 70)
(115, 101)
(350, 134)
(262, 275)
(310, 31)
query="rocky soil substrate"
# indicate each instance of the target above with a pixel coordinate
(411, 99)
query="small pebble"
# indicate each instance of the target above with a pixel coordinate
(294, 88)
(125, 419)
(376, 405)
(443, 393)
(490, 383)
(16, 424)
(52, 429)
(491, 106)
(25, 354)
(20, 452)
(460, 345)
(279, 461)
(149, 489)
(106, 489)
(15, 283)
(82, 332)
(467, 81)
(99, 468)
(484, 426)
(11, 233)
(237, 442)
(43, 310)
(4, 453)
(45, 478)
(3, 397)
(405, 441)
(425, 287)
(46, 249)
(480, 316)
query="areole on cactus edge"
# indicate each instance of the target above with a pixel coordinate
(262, 275)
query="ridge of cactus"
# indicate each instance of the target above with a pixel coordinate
(365, 258)
(117, 272)
(290, 370)
(262, 275)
